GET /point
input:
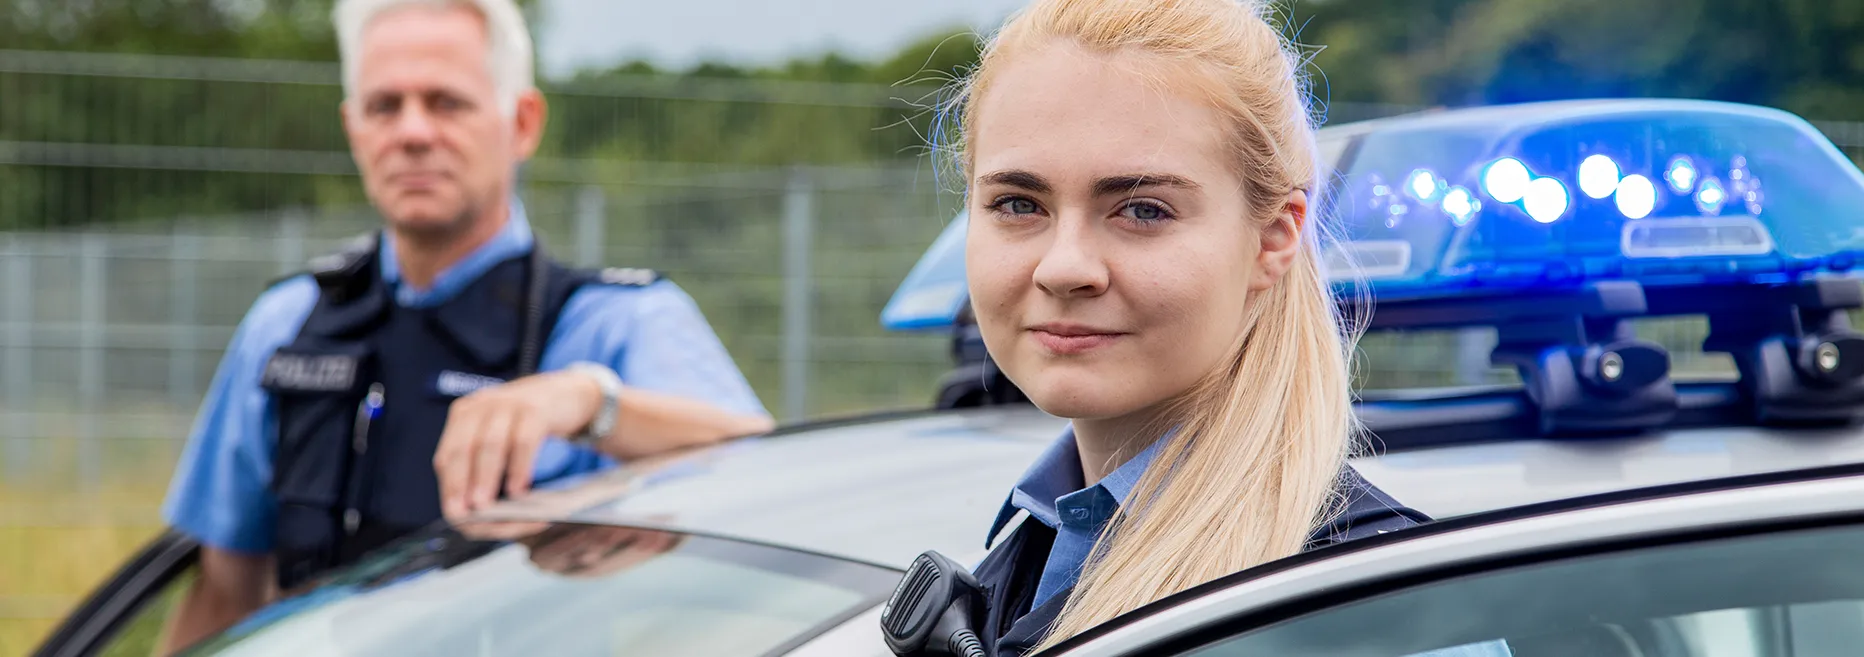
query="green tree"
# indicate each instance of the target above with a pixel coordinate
(1801, 55)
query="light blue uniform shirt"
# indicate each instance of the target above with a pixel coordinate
(1055, 494)
(653, 336)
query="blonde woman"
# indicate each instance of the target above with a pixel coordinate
(1141, 259)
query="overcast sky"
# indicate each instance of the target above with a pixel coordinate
(679, 33)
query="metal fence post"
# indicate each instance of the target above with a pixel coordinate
(798, 233)
(92, 250)
(290, 244)
(591, 224)
(184, 315)
(19, 357)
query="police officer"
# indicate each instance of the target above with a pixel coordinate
(1141, 261)
(363, 399)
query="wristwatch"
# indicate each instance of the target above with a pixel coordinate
(610, 384)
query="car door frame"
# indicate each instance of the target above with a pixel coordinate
(109, 607)
(1331, 577)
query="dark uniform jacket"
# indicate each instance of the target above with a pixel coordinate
(1010, 573)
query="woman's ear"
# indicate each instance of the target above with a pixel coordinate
(1281, 241)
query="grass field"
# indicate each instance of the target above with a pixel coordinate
(57, 545)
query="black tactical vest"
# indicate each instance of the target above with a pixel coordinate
(1010, 573)
(361, 395)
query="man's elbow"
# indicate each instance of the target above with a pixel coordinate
(754, 424)
(730, 426)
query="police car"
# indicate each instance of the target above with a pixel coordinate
(1602, 505)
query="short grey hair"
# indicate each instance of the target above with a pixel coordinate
(508, 37)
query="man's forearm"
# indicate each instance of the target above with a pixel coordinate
(227, 588)
(649, 422)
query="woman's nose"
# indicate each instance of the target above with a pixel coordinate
(1072, 266)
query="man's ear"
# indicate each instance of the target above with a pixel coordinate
(1281, 241)
(532, 113)
(349, 124)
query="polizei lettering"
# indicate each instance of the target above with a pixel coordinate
(311, 373)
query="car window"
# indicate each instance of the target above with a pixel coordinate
(565, 590)
(1793, 593)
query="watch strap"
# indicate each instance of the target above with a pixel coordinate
(604, 421)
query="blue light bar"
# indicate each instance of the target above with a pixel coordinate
(1598, 176)
(1658, 192)
(934, 291)
(1636, 197)
(1681, 174)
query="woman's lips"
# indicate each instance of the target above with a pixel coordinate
(1070, 339)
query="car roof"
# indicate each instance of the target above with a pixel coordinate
(884, 490)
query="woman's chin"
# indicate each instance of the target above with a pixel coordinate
(1075, 400)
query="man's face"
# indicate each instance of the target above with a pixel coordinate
(424, 122)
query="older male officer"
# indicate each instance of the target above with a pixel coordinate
(361, 401)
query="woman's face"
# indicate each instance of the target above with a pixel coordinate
(1111, 250)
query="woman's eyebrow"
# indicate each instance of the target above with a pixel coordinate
(1017, 178)
(1128, 183)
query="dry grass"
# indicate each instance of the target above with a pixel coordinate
(58, 542)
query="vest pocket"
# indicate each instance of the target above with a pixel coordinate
(316, 395)
(311, 473)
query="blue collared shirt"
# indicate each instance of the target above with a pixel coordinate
(1054, 493)
(653, 336)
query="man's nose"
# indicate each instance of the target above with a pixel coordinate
(414, 128)
(1073, 265)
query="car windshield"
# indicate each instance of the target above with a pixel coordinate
(1796, 593)
(564, 589)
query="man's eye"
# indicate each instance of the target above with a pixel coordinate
(381, 106)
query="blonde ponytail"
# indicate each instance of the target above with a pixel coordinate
(1253, 460)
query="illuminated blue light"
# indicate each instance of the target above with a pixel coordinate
(1424, 185)
(1710, 198)
(1598, 176)
(1637, 197)
(1681, 174)
(1506, 180)
(1460, 205)
(1546, 200)
(1754, 197)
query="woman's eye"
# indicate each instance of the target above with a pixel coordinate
(1016, 206)
(1145, 212)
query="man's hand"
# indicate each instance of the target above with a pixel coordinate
(599, 550)
(493, 435)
